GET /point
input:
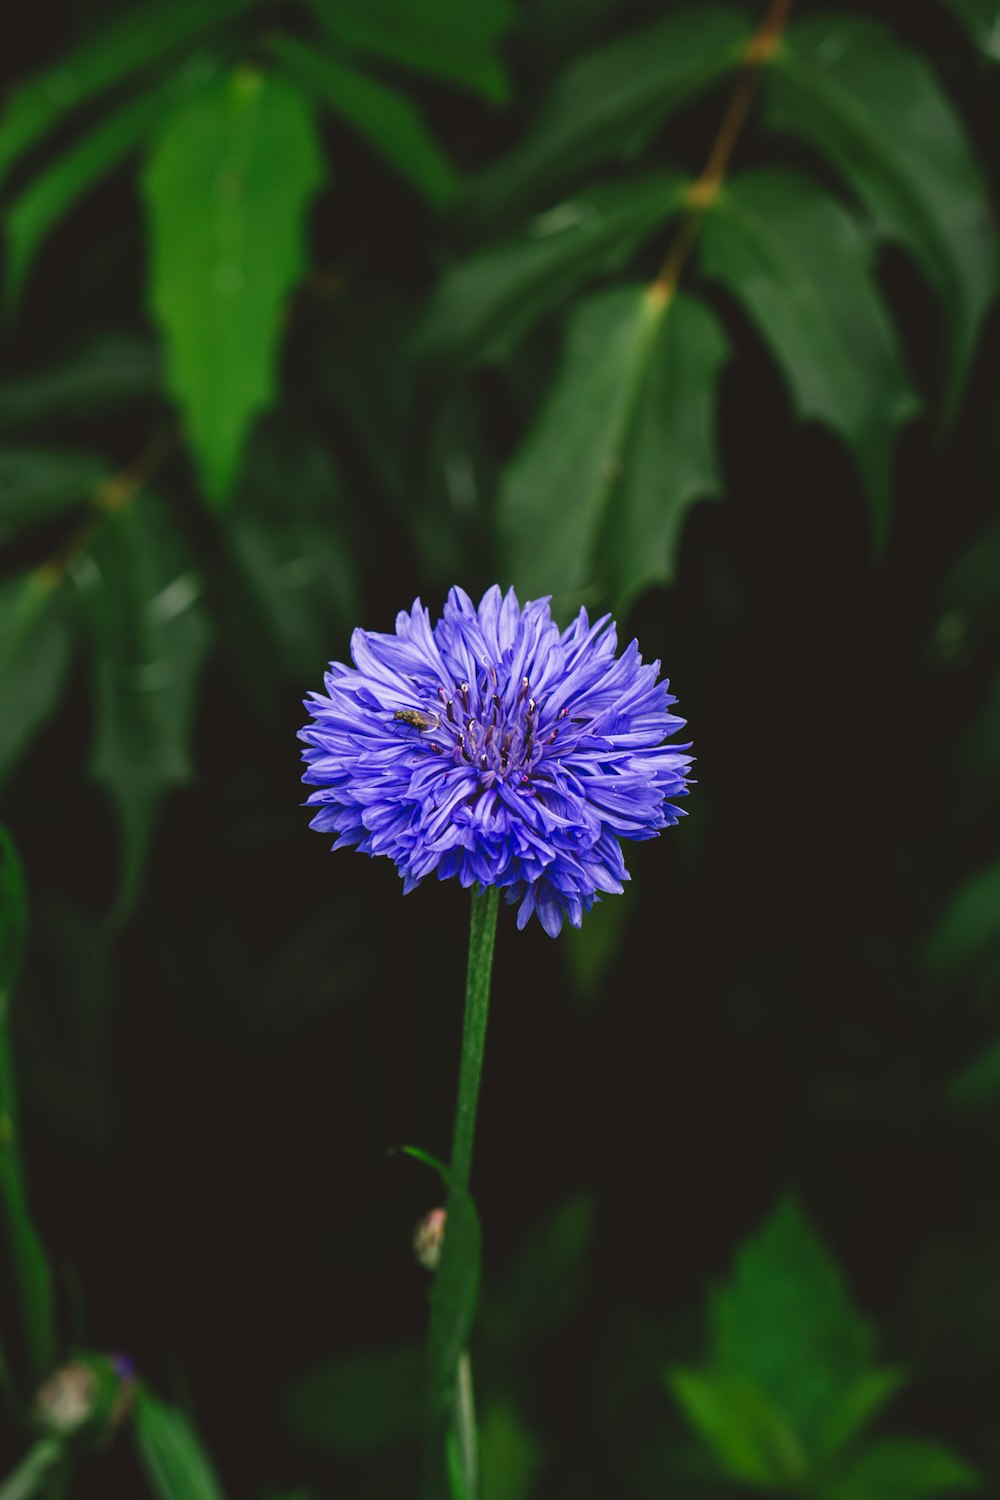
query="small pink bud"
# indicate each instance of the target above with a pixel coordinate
(428, 1238)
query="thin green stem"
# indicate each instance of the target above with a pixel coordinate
(477, 1005)
(34, 1472)
(451, 1421)
(28, 1264)
(464, 1424)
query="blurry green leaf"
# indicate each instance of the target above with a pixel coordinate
(323, 964)
(13, 919)
(557, 491)
(901, 1469)
(34, 1474)
(876, 111)
(968, 929)
(49, 195)
(967, 602)
(981, 18)
(546, 1282)
(24, 1264)
(979, 1082)
(510, 1456)
(979, 746)
(608, 103)
(454, 1293)
(386, 118)
(434, 1162)
(149, 641)
(671, 459)
(62, 1031)
(589, 477)
(483, 307)
(356, 344)
(36, 482)
(448, 39)
(801, 266)
(170, 1453)
(288, 536)
(856, 1406)
(747, 1434)
(138, 37)
(35, 649)
(227, 187)
(115, 367)
(790, 1379)
(357, 1403)
(590, 950)
(786, 1323)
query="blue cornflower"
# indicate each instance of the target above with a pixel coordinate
(496, 748)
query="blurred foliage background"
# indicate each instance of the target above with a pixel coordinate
(308, 309)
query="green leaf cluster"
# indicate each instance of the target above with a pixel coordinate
(791, 1385)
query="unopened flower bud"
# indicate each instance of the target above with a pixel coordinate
(428, 1238)
(66, 1401)
(87, 1398)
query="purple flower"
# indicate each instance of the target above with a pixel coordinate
(496, 748)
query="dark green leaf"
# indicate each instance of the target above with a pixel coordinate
(288, 535)
(590, 950)
(150, 640)
(35, 1473)
(386, 118)
(968, 930)
(901, 1469)
(857, 1405)
(322, 965)
(557, 491)
(546, 1281)
(35, 649)
(671, 459)
(877, 112)
(454, 1294)
(979, 746)
(227, 187)
(981, 19)
(590, 475)
(138, 37)
(967, 602)
(801, 266)
(483, 307)
(608, 103)
(786, 1323)
(358, 1403)
(55, 189)
(22, 1254)
(62, 1031)
(115, 368)
(510, 1456)
(170, 1453)
(13, 919)
(37, 482)
(448, 39)
(750, 1438)
(979, 1082)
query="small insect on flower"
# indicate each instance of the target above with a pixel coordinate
(494, 747)
(418, 720)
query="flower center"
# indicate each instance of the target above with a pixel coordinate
(476, 726)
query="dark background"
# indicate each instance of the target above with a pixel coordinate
(213, 1089)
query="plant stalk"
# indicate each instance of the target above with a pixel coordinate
(451, 1422)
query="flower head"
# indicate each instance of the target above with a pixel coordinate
(494, 747)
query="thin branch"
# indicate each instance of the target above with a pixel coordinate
(703, 192)
(110, 497)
